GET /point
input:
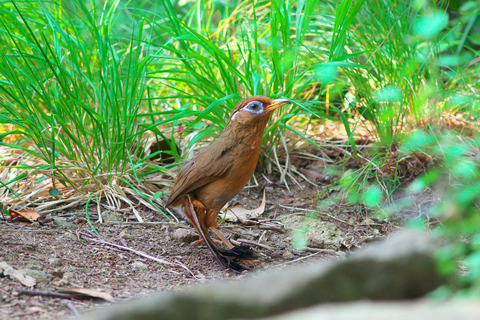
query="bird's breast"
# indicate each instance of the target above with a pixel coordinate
(217, 193)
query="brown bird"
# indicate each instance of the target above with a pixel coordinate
(219, 171)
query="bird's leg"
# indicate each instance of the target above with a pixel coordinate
(194, 208)
(240, 252)
(211, 223)
(190, 212)
(221, 237)
(227, 262)
(200, 211)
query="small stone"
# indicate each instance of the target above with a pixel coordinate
(125, 234)
(63, 223)
(57, 272)
(55, 262)
(288, 255)
(112, 216)
(60, 283)
(70, 236)
(140, 265)
(80, 220)
(184, 235)
(36, 274)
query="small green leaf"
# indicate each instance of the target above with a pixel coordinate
(417, 141)
(476, 242)
(299, 238)
(417, 186)
(430, 25)
(157, 195)
(388, 94)
(449, 61)
(460, 100)
(54, 192)
(417, 224)
(473, 262)
(465, 169)
(373, 196)
(40, 179)
(424, 181)
(326, 73)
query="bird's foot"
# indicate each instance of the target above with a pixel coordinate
(239, 252)
(238, 265)
(251, 264)
(200, 241)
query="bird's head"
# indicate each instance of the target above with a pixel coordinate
(255, 110)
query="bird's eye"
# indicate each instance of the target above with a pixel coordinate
(255, 107)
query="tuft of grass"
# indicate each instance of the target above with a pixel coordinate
(412, 66)
(267, 48)
(73, 93)
(85, 87)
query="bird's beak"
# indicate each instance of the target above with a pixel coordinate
(277, 103)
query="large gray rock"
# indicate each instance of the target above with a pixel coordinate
(365, 310)
(401, 267)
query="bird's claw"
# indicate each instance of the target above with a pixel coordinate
(240, 252)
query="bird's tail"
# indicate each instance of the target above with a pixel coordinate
(225, 257)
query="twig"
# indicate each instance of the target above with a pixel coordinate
(274, 228)
(336, 219)
(329, 251)
(145, 223)
(295, 208)
(139, 253)
(318, 213)
(15, 243)
(296, 260)
(47, 294)
(260, 224)
(30, 230)
(254, 243)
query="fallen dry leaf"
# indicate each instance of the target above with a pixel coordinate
(92, 293)
(12, 273)
(239, 213)
(30, 215)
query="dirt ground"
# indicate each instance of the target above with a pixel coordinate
(63, 252)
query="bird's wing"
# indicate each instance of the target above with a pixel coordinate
(208, 165)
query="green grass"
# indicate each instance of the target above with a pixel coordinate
(73, 94)
(86, 86)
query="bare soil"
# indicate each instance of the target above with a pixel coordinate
(63, 252)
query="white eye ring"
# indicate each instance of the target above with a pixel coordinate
(254, 107)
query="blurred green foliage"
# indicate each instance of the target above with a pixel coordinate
(452, 184)
(456, 178)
